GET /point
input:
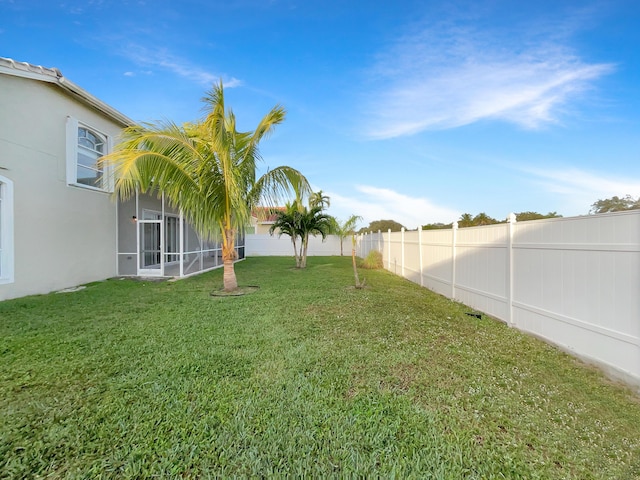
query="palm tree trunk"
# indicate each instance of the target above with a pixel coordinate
(228, 256)
(299, 257)
(355, 268)
(229, 276)
(295, 251)
(305, 244)
(341, 239)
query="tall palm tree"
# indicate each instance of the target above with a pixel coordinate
(207, 169)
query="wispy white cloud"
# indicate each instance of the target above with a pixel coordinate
(139, 72)
(163, 59)
(374, 203)
(444, 76)
(582, 188)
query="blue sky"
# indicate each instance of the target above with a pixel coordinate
(417, 111)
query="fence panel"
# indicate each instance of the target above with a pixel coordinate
(577, 283)
(258, 245)
(395, 252)
(481, 269)
(411, 257)
(437, 260)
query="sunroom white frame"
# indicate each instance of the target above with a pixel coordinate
(189, 262)
(6, 231)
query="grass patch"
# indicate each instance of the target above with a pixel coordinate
(131, 379)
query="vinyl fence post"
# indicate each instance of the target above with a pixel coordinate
(138, 249)
(389, 249)
(512, 226)
(402, 252)
(163, 243)
(379, 241)
(363, 244)
(453, 259)
(181, 226)
(420, 254)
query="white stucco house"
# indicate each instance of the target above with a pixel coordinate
(60, 224)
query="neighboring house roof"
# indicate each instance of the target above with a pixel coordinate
(53, 75)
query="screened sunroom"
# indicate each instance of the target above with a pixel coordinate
(156, 240)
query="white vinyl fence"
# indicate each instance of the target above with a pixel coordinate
(572, 281)
(257, 245)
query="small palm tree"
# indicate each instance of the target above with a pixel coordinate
(319, 199)
(207, 169)
(286, 222)
(314, 222)
(298, 221)
(344, 229)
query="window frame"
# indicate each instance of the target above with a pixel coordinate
(73, 127)
(7, 251)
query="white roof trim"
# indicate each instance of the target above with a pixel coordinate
(53, 75)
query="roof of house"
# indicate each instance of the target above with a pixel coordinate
(53, 75)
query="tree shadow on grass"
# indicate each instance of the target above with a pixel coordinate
(238, 292)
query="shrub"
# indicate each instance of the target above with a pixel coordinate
(372, 261)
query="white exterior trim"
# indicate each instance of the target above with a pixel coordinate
(6, 231)
(151, 272)
(73, 124)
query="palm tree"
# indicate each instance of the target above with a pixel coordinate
(343, 230)
(312, 222)
(466, 220)
(483, 219)
(207, 169)
(298, 221)
(319, 199)
(286, 222)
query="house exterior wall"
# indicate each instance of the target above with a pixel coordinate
(127, 238)
(64, 235)
(262, 228)
(258, 227)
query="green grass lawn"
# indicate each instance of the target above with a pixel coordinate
(306, 376)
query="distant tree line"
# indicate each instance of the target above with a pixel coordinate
(383, 226)
(469, 220)
(615, 204)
